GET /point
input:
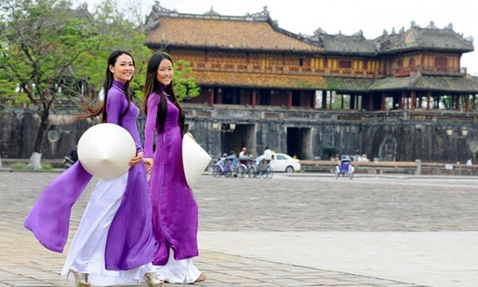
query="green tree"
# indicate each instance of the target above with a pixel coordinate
(185, 86)
(50, 52)
(447, 102)
(113, 32)
(40, 41)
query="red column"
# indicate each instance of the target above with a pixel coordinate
(211, 97)
(467, 103)
(414, 99)
(314, 101)
(289, 100)
(219, 96)
(253, 100)
(473, 105)
(324, 100)
(429, 94)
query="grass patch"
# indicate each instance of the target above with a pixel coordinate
(47, 166)
(18, 165)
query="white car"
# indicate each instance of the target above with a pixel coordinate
(282, 162)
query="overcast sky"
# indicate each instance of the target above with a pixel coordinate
(346, 16)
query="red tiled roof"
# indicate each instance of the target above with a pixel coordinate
(257, 80)
(224, 34)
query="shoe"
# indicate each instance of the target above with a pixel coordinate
(201, 278)
(81, 279)
(152, 280)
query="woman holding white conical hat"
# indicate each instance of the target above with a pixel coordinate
(114, 242)
(175, 212)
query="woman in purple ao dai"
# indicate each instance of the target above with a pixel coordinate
(175, 212)
(114, 243)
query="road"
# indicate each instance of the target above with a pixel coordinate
(293, 230)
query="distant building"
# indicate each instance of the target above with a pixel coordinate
(262, 85)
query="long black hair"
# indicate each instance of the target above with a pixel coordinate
(108, 83)
(152, 85)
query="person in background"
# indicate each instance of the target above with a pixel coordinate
(364, 158)
(243, 154)
(268, 155)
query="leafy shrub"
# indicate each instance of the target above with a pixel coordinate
(47, 166)
(18, 165)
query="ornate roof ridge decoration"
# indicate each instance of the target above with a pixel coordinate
(211, 12)
(431, 37)
(415, 37)
(262, 14)
(152, 20)
(159, 11)
(356, 36)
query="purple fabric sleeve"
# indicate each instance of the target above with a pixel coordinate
(137, 141)
(114, 106)
(50, 217)
(150, 126)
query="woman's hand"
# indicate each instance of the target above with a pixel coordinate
(148, 162)
(189, 134)
(137, 159)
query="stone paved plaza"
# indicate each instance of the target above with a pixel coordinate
(232, 209)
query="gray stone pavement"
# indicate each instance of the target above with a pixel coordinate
(299, 230)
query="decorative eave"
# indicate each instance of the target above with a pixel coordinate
(420, 82)
(259, 80)
(419, 49)
(225, 49)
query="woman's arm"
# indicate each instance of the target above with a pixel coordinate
(114, 106)
(150, 125)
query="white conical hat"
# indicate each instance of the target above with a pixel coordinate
(195, 159)
(105, 150)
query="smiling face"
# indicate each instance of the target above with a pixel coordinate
(165, 72)
(123, 69)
